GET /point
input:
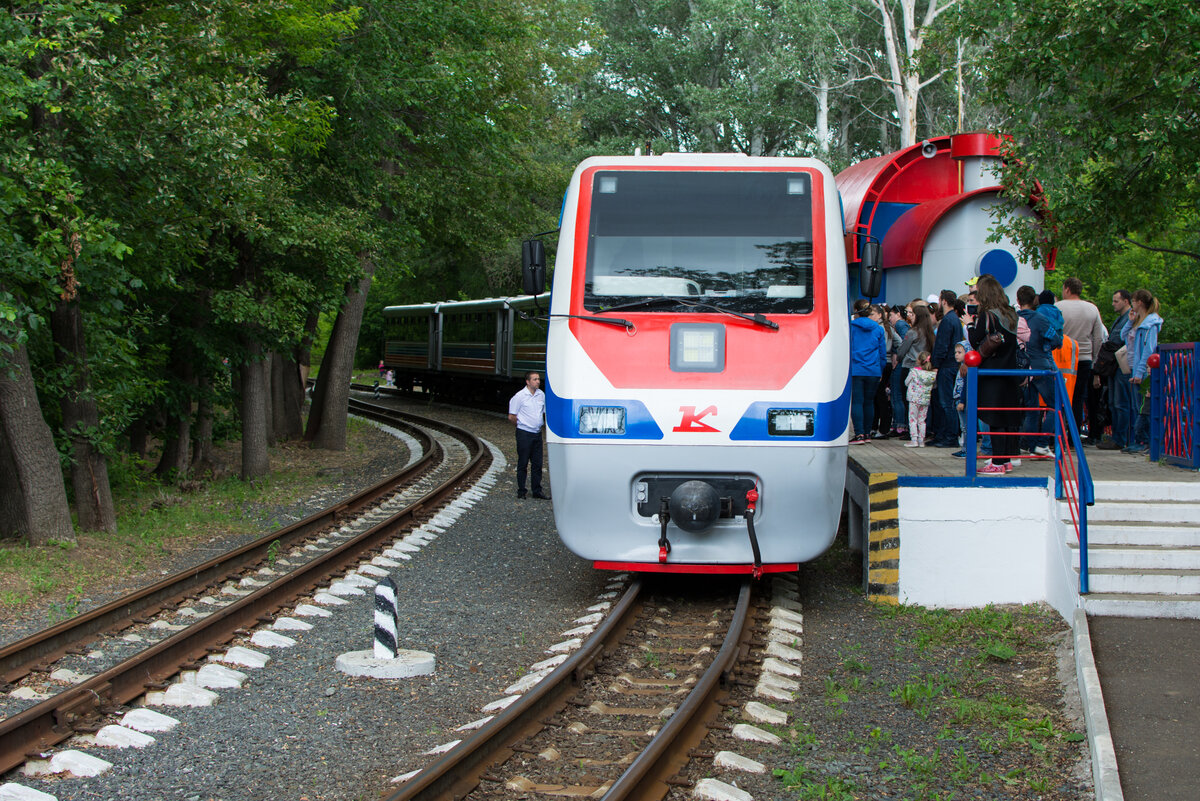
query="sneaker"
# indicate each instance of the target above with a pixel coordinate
(1134, 449)
(959, 454)
(1008, 466)
(1015, 462)
(1042, 450)
(859, 440)
(520, 496)
(992, 470)
(913, 444)
(542, 496)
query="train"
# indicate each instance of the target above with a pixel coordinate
(695, 360)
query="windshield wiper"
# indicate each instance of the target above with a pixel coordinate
(755, 318)
(638, 304)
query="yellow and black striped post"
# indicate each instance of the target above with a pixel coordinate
(883, 538)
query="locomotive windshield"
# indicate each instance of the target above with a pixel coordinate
(738, 240)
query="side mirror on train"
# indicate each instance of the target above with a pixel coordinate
(870, 272)
(533, 266)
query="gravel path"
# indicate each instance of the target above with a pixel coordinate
(487, 598)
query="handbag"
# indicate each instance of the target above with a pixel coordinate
(1105, 365)
(990, 344)
(1123, 361)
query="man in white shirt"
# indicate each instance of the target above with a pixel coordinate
(526, 410)
(1082, 323)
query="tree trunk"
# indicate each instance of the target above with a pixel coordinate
(823, 116)
(331, 399)
(35, 500)
(255, 458)
(176, 453)
(268, 401)
(287, 398)
(202, 443)
(81, 421)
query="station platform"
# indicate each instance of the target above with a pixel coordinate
(1136, 674)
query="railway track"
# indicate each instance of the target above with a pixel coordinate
(242, 589)
(618, 719)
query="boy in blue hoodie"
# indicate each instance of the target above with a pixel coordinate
(868, 353)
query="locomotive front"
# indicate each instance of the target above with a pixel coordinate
(697, 363)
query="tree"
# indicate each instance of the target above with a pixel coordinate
(1099, 97)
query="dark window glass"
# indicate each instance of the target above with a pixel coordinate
(739, 240)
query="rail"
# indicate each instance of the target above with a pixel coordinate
(1174, 399)
(1072, 477)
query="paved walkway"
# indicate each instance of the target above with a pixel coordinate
(1149, 677)
(1149, 668)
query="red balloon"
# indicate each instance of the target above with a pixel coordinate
(973, 358)
(1153, 361)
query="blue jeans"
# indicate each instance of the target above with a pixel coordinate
(945, 389)
(1121, 396)
(899, 401)
(862, 402)
(1141, 426)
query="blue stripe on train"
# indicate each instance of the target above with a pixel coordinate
(830, 419)
(562, 414)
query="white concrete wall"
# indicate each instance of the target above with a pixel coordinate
(970, 546)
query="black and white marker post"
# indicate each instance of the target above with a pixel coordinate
(386, 660)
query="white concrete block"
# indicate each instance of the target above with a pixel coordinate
(326, 599)
(603, 606)
(779, 682)
(788, 638)
(503, 703)
(382, 561)
(405, 776)
(342, 588)
(579, 631)
(372, 570)
(28, 694)
(19, 792)
(70, 676)
(715, 790)
(290, 624)
(121, 737)
(182, 695)
(148, 720)
(784, 652)
(732, 761)
(406, 664)
(761, 713)
(358, 580)
(265, 638)
(552, 662)
(308, 610)
(475, 724)
(589, 619)
(441, 749)
(744, 731)
(526, 682)
(778, 666)
(783, 613)
(163, 625)
(789, 626)
(218, 677)
(566, 646)
(246, 657)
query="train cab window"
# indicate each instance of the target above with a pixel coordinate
(741, 240)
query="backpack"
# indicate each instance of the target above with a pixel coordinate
(1054, 331)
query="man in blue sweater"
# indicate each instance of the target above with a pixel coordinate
(949, 332)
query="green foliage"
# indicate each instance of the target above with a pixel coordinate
(1099, 96)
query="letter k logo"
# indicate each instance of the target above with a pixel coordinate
(691, 421)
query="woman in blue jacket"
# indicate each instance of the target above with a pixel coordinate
(1141, 340)
(868, 353)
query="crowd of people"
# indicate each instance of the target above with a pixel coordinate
(908, 370)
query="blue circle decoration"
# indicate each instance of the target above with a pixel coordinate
(1000, 264)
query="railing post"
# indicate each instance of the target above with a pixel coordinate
(1192, 424)
(1158, 402)
(971, 435)
(1060, 389)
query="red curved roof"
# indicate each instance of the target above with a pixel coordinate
(905, 241)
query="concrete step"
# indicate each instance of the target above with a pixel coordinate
(1135, 605)
(1138, 512)
(1141, 581)
(1147, 491)
(1138, 534)
(1137, 557)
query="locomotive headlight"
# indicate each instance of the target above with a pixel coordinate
(697, 347)
(602, 420)
(790, 422)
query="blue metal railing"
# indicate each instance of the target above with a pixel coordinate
(1174, 399)
(1072, 478)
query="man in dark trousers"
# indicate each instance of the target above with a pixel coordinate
(526, 410)
(949, 332)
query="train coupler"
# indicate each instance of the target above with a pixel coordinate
(664, 517)
(751, 501)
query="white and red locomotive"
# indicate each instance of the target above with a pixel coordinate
(697, 367)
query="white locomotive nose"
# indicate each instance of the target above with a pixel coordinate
(695, 506)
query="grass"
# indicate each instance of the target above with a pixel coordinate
(154, 520)
(975, 712)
